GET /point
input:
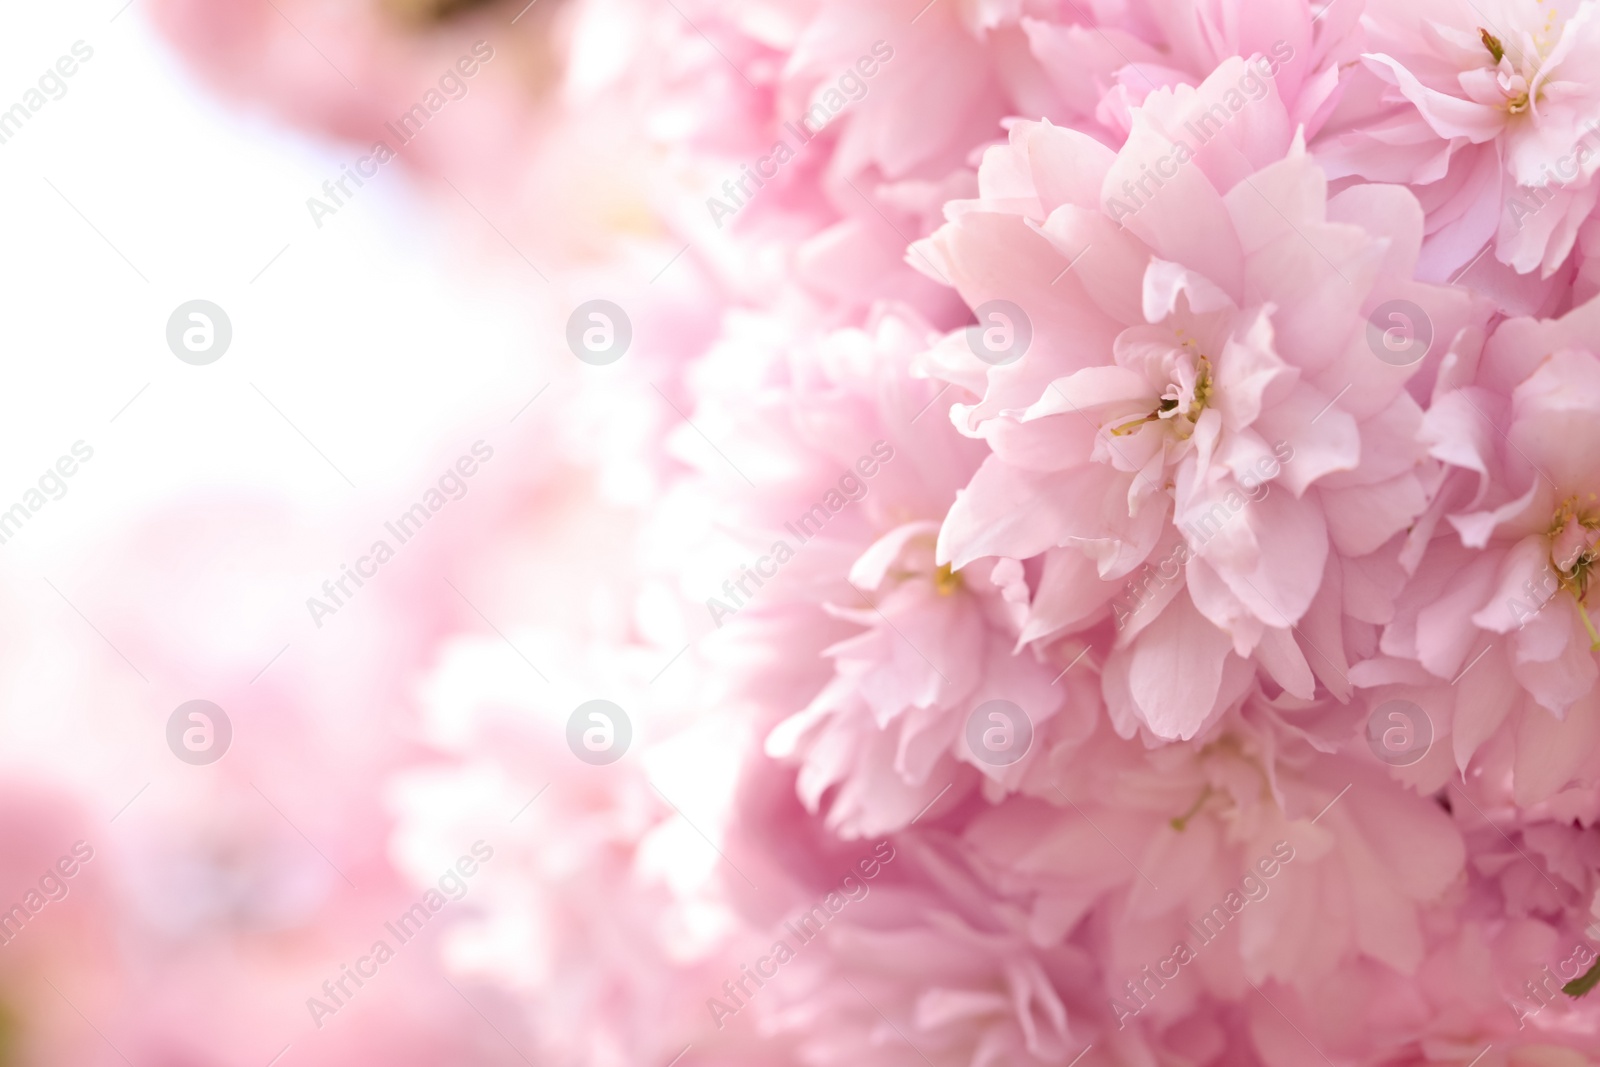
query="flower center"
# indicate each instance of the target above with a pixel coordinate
(916, 564)
(1516, 74)
(1181, 402)
(1181, 822)
(1573, 554)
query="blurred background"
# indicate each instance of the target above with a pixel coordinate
(255, 809)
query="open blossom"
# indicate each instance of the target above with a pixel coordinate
(1503, 590)
(920, 967)
(1489, 112)
(802, 177)
(856, 467)
(1200, 370)
(1106, 64)
(1049, 922)
(957, 994)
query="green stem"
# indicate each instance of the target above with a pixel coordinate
(1588, 624)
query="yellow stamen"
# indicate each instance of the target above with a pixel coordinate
(1575, 577)
(1129, 427)
(1492, 43)
(1202, 393)
(1202, 388)
(1181, 823)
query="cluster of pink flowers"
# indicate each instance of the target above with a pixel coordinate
(1143, 476)
(1215, 648)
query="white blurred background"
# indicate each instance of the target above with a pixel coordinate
(377, 335)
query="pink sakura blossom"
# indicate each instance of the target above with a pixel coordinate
(928, 986)
(1027, 930)
(1488, 112)
(1204, 375)
(854, 464)
(920, 963)
(604, 923)
(1321, 865)
(1175, 495)
(1105, 65)
(803, 180)
(1502, 589)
